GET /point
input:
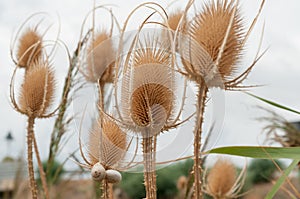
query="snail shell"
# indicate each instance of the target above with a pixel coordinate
(98, 172)
(113, 176)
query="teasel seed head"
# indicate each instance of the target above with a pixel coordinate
(221, 179)
(101, 54)
(107, 143)
(29, 49)
(174, 20)
(147, 89)
(37, 90)
(209, 29)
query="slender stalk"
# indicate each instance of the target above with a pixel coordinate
(111, 190)
(197, 168)
(41, 169)
(30, 132)
(149, 166)
(105, 189)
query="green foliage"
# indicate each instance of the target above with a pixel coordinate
(167, 177)
(262, 170)
(53, 175)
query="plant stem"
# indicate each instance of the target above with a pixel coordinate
(105, 189)
(41, 169)
(149, 166)
(30, 132)
(111, 190)
(197, 168)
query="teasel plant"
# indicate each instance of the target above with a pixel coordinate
(97, 58)
(106, 149)
(211, 51)
(37, 91)
(147, 105)
(222, 181)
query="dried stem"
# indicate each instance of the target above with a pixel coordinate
(41, 169)
(111, 191)
(197, 168)
(149, 166)
(30, 133)
(105, 189)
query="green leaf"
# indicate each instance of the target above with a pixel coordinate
(260, 152)
(273, 103)
(281, 180)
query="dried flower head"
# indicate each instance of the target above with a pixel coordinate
(29, 49)
(37, 91)
(100, 58)
(107, 143)
(222, 180)
(218, 31)
(147, 92)
(174, 19)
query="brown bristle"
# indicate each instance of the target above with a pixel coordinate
(209, 29)
(29, 49)
(113, 144)
(37, 91)
(147, 96)
(100, 56)
(221, 178)
(151, 56)
(174, 19)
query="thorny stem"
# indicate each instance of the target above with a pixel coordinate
(41, 169)
(197, 168)
(30, 132)
(149, 166)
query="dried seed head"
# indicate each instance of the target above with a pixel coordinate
(107, 144)
(98, 172)
(221, 179)
(37, 91)
(209, 29)
(146, 98)
(174, 19)
(101, 54)
(29, 49)
(113, 176)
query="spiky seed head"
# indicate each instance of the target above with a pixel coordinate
(209, 28)
(98, 172)
(107, 143)
(101, 54)
(221, 178)
(174, 19)
(29, 49)
(148, 96)
(113, 176)
(37, 91)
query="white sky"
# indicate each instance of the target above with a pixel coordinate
(278, 70)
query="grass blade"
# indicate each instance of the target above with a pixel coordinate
(259, 152)
(281, 180)
(273, 103)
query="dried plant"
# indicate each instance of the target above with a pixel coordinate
(106, 150)
(279, 130)
(36, 93)
(210, 56)
(222, 181)
(36, 97)
(30, 48)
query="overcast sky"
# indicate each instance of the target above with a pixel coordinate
(278, 71)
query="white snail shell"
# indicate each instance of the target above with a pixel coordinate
(98, 172)
(113, 176)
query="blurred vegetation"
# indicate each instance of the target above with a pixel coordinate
(262, 170)
(54, 174)
(167, 177)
